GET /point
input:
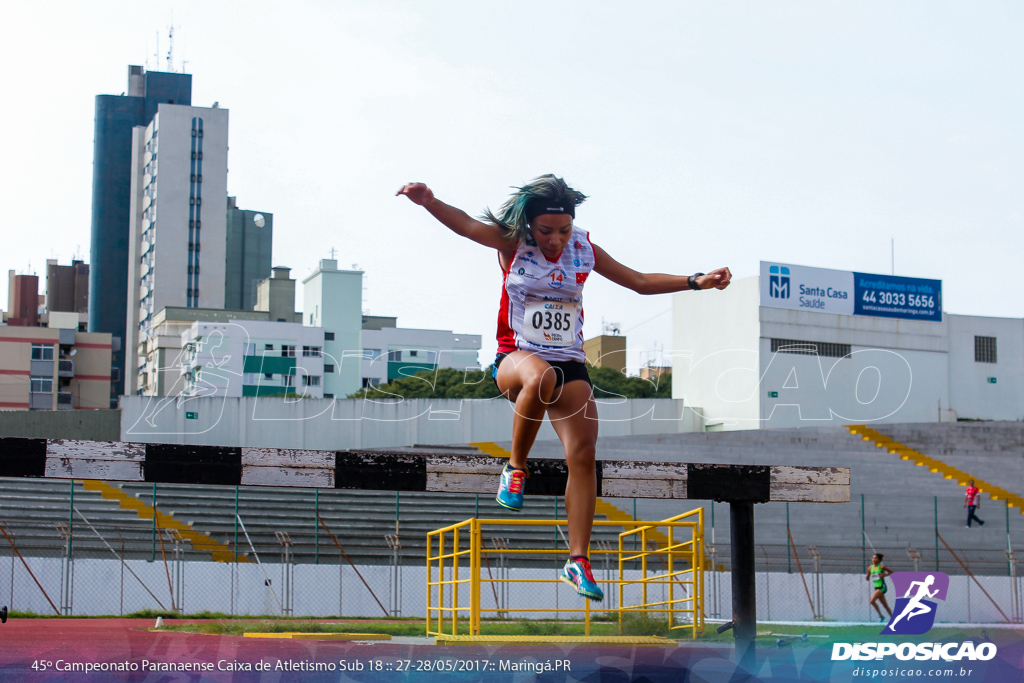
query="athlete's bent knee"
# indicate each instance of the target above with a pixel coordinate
(581, 455)
(540, 383)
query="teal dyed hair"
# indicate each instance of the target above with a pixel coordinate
(512, 214)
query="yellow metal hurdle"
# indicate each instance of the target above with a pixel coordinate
(690, 577)
(449, 548)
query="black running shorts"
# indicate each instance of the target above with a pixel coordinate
(565, 370)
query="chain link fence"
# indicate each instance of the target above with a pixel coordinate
(74, 550)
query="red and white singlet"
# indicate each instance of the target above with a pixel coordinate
(542, 300)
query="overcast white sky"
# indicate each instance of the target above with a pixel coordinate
(707, 134)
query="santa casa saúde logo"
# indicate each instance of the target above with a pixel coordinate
(914, 614)
(778, 282)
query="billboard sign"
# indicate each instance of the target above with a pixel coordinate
(841, 292)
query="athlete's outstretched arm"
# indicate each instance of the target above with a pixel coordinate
(654, 283)
(457, 220)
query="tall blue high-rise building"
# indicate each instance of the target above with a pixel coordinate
(116, 115)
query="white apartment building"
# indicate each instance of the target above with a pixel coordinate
(391, 352)
(801, 346)
(252, 358)
(333, 299)
(178, 220)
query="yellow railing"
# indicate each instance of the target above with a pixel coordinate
(689, 579)
(449, 573)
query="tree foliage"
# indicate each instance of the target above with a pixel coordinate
(440, 383)
(451, 383)
(610, 383)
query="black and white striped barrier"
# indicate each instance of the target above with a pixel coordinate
(409, 471)
(739, 485)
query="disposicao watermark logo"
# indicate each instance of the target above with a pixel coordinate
(778, 282)
(914, 614)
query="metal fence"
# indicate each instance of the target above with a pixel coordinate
(67, 549)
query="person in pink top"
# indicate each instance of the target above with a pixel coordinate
(971, 501)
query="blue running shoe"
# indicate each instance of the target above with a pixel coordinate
(577, 573)
(510, 490)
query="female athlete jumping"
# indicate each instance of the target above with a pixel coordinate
(545, 260)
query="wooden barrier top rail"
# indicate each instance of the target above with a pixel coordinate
(424, 470)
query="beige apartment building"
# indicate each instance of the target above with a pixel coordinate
(49, 368)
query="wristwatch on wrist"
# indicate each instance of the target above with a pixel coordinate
(692, 280)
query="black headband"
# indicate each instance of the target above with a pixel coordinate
(538, 206)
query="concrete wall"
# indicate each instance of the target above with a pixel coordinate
(897, 371)
(972, 395)
(324, 424)
(715, 353)
(91, 425)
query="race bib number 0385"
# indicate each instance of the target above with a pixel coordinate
(550, 323)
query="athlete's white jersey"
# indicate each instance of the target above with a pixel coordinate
(542, 300)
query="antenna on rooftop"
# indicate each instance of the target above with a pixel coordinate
(170, 48)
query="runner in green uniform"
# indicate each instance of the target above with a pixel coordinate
(876, 575)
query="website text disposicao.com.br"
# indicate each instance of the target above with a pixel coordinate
(965, 652)
(903, 673)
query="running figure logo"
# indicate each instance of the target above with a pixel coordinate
(914, 613)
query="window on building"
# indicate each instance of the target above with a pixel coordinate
(287, 351)
(414, 353)
(806, 348)
(115, 374)
(268, 347)
(288, 380)
(268, 375)
(328, 336)
(371, 354)
(311, 351)
(249, 378)
(328, 395)
(371, 382)
(984, 349)
(42, 352)
(249, 349)
(41, 385)
(328, 369)
(394, 356)
(310, 380)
